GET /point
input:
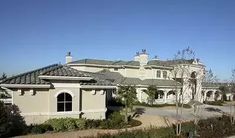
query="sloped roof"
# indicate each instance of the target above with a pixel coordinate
(117, 78)
(63, 70)
(105, 62)
(160, 82)
(32, 77)
(169, 62)
(131, 63)
(207, 84)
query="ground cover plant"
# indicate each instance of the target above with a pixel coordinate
(216, 127)
(114, 121)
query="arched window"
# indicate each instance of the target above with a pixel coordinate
(64, 102)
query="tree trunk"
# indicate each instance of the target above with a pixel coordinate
(126, 112)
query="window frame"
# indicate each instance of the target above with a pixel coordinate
(164, 74)
(158, 74)
(67, 104)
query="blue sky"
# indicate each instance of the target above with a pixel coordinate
(38, 33)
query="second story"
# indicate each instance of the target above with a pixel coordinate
(141, 66)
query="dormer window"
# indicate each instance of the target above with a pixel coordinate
(158, 74)
(164, 74)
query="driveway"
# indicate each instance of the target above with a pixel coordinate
(187, 114)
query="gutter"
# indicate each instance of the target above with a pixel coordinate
(25, 86)
(64, 78)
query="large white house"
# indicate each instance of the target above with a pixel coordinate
(182, 77)
(82, 88)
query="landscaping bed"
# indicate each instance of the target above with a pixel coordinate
(217, 127)
(161, 105)
(216, 103)
(115, 121)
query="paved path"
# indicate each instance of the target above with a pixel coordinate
(157, 117)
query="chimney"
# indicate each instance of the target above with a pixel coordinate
(68, 58)
(143, 57)
(137, 57)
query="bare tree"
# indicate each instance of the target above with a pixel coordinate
(188, 80)
(210, 77)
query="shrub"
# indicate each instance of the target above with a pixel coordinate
(11, 122)
(80, 123)
(93, 123)
(57, 124)
(39, 129)
(217, 103)
(69, 124)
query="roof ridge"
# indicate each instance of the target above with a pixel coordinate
(35, 70)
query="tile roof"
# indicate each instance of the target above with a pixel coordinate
(169, 62)
(105, 62)
(131, 63)
(32, 77)
(117, 78)
(63, 70)
(207, 84)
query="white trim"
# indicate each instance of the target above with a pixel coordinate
(94, 110)
(64, 78)
(64, 91)
(51, 113)
(98, 87)
(103, 66)
(25, 86)
(66, 85)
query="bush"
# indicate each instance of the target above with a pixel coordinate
(64, 124)
(39, 129)
(11, 122)
(93, 123)
(216, 103)
(80, 123)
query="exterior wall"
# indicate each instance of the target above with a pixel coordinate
(42, 105)
(166, 99)
(88, 69)
(72, 90)
(29, 103)
(93, 104)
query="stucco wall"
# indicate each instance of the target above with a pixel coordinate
(29, 103)
(93, 99)
(71, 90)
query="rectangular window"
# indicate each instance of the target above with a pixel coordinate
(164, 74)
(158, 74)
(115, 69)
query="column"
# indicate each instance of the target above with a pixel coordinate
(165, 96)
(213, 95)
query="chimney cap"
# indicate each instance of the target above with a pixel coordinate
(68, 54)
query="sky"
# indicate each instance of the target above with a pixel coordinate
(34, 33)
